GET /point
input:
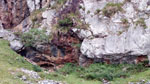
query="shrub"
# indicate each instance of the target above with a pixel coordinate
(37, 68)
(65, 23)
(88, 11)
(141, 22)
(111, 8)
(34, 37)
(124, 21)
(68, 69)
(61, 1)
(100, 71)
(97, 11)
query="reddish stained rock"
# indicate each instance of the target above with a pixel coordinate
(12, 12)
(60, 51)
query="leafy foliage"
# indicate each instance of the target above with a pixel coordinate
(34, 37)
(65, 23)
(102, 71)
(37, 68)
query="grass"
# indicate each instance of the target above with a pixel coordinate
(120, 74)
(69, 79)
(112, 8)
(141, 22)
(100, 71)
(134, 78)
(10, 61)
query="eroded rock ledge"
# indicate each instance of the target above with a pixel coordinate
(116, 31)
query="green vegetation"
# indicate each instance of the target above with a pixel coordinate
(102, 71)
(97, 11)
(65, 22)
(111, 8)
(141, 22)
(124, 21)
(68, 21)
(36, 17)
(37, 68)
(61, 1)
(34, 37)
(88, 11)
(9, 62)
(76, 45)
(58, 4)
(134, 78)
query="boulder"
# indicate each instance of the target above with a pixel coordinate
(16, 45)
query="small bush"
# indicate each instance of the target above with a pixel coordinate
(65, 23)
(88, 11)
(97, 11)
(37, 68)
(68, 69)
(61, 1)
(34, 37)
(124, 21)
(141, 22)
(111, 8)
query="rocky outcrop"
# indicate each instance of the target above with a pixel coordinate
(63, 48)
(12, 12)
(37, 4)
(15, 43)
(121, 37)
(117, 31)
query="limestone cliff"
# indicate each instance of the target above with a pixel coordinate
(115, 31)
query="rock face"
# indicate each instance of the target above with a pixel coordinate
(15, 44)
(60, 50)
(12, 12)
(118, 30)
(37, 4)
(112, 38)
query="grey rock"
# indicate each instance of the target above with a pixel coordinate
(82, 33)
(31, 74)
(49, 82)
(110, 38)
(47, 23)
(16, 45)
(24, 78)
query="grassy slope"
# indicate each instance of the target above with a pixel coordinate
(10, 61)
(134, 78)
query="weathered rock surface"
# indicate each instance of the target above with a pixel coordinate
(12, 12)
(37, 4)
(49, 82)
(15, 43)
(48, 17)
(122, 36)
(62, 49)
(31, 74)
(111, 39)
